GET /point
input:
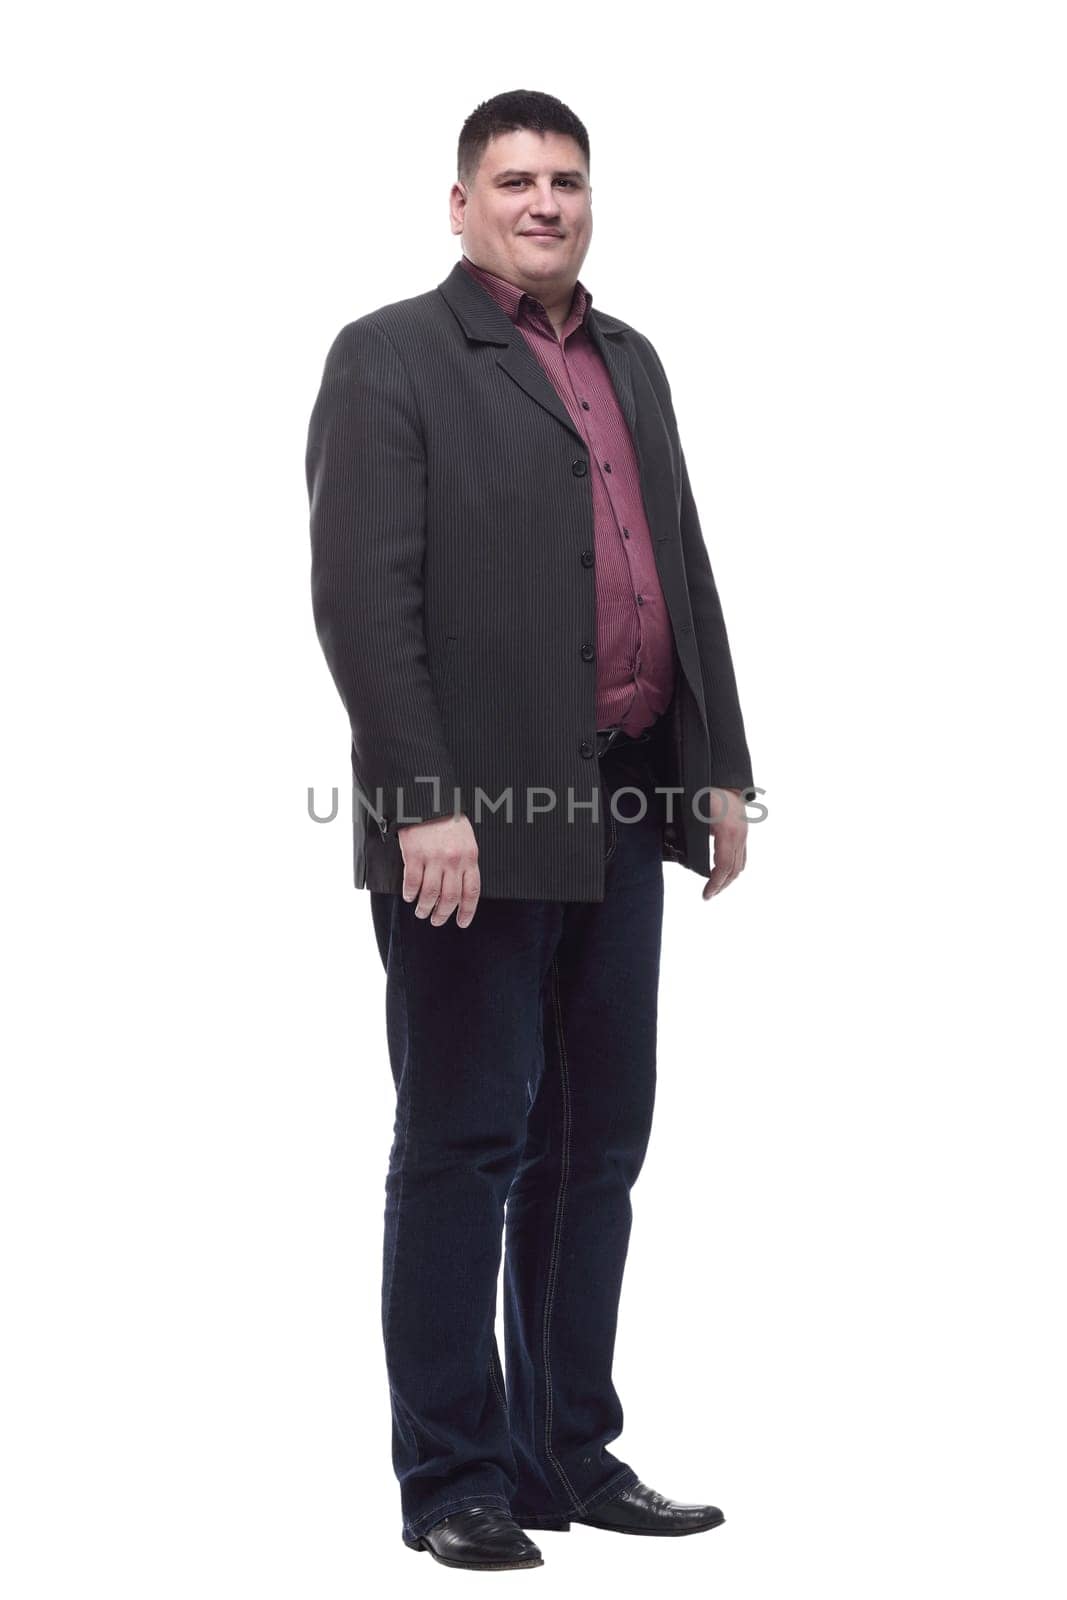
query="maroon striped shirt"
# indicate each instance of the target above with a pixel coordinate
(634, 647)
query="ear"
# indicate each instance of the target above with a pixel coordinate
(457, 201)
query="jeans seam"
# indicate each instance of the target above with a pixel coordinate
(553, 1263)
(611, 825)
(428, 1518)
(604, 1493)
(397, 938)
(494, 1380)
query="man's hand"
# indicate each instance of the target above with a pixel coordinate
(729, 831)
(441, 868)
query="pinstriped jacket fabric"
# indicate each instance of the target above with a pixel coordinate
(453, 590)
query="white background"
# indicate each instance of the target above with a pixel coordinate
(843, 228)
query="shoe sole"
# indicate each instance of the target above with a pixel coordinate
(563, 1526)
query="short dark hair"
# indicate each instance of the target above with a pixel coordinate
(506, 113)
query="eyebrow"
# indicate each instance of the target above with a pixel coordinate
(516, 172)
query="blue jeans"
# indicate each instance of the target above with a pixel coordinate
(523, 1049)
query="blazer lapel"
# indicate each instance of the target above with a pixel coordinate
(654, 446)
(484, 322)
(604, 331)
(647, 424)
(520, 363)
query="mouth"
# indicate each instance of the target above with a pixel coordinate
(541, 233)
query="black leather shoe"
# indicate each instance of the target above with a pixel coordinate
(483, 1537)
(640, 1509)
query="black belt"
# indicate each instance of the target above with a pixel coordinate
(609, 738)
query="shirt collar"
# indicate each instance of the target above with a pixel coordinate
(516, 302)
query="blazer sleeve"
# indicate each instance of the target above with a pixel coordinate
(731, 765)
(366, 479)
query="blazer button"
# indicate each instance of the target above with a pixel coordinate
(579, 468)
(587, 558)
(585, 748)
(588, 652)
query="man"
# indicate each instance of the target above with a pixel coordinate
(514, 597)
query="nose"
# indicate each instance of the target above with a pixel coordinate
(544, 204)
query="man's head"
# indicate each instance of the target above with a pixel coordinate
(523, 200)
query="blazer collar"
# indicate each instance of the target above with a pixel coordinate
(482, 319)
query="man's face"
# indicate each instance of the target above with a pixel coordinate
(527, 215)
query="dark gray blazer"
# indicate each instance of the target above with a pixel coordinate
(454, 587)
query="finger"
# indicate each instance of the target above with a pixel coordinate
(448, 899)
(412, 878)
(738, 861)
(717, 881)
(430, 891)
(725, 869)
(468, 900)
